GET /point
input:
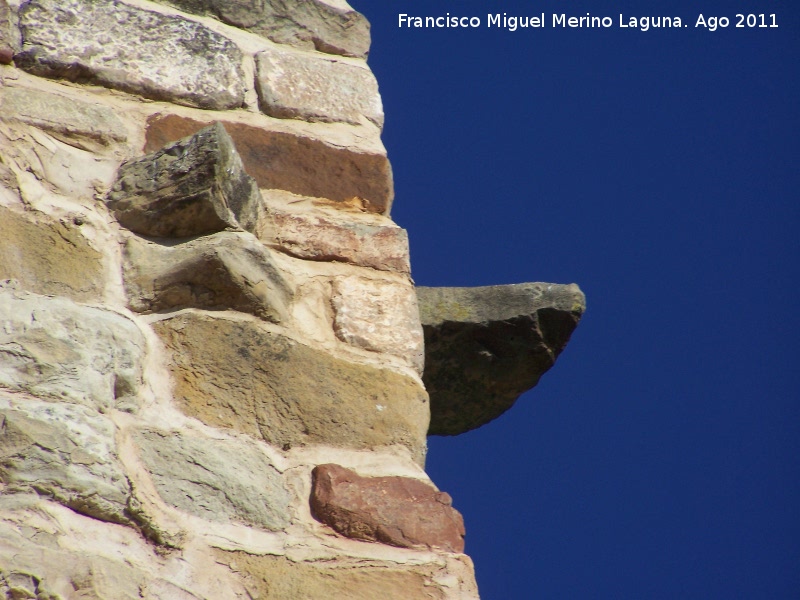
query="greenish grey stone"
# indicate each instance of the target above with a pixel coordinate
(55, 348)
(485, 346)
(217, 480)
(64, 452)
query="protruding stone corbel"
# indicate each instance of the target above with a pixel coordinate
(194, 186)
(485, 346)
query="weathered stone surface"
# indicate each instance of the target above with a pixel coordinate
(215, 479)
(399, 511)
(14, 584)
(48, 256)
(46, 165)
(236, 373)
(222, 271)
(292, 85)
(292, 162)
(378, 315)
(278, 578)
(64, 452)
(327, 25)
(485, 346)
(9, 185)
(194, 186)
(72, 121)
(62, 555)
(312, 233)
(21, 584)
(10, 41)
(122, 47)
(38, 554)
(52, 347)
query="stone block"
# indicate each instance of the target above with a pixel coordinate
(57, 554)
(46, 256)
(218, 480)
(485, 346)
(238, 374)
(64, 452)
(294, 85)
(398, 511)
(194, 186)
(279, 578)
(70, 120)
(326, 25)
(108, 43)
(217, 272)
(55, 348)
(294, 162)
(366, 240)
(9, 186)
(378, 315)
(48, 166)
(10, 41)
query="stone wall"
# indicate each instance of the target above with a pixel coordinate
(211, 353)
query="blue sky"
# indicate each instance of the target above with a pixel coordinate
(660, 457)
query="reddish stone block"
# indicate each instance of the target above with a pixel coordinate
(398, 511)
(312, 236)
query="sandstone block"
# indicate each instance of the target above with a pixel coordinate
(238, 374)
(49, 257)
(278, 578)
(57, 554)
(381, 316)
(295, 163)
(353, 237)
(292, 85)
(116, 45)
(51, 166)
(52, 347)
(70, 120)
(9, 185)
(10, 41)
(222, 271)
(194, 186)
(485, 346)
(214, 479)
(399, 511)
(64, 452)
(326, 25)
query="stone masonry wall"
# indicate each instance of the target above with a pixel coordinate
(210, 346)
(216, 376)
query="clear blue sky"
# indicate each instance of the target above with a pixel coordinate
(660, 457)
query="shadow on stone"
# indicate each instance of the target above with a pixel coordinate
(485, 346)
(227, 270)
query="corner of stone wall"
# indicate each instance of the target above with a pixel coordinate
(211, 353)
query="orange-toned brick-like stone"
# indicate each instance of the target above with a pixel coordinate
(293, 162)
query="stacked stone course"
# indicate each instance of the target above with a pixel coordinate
(211, 354)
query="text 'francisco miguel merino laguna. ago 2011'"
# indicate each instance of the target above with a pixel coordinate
(562, 20)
